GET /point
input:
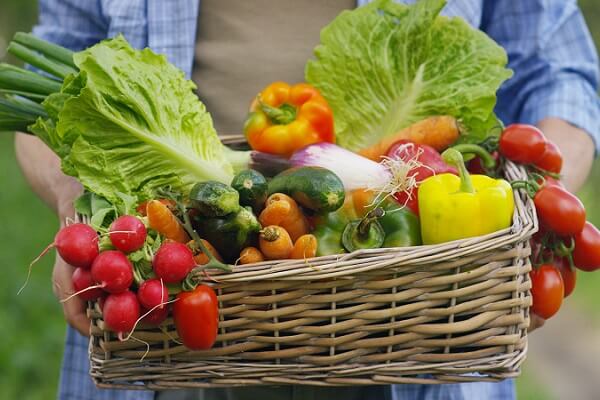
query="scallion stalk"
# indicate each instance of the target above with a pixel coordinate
(37, 60)
(50, 50)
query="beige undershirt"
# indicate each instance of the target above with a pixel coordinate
(242, 46)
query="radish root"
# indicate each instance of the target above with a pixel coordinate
(83, 290)
(38, 258)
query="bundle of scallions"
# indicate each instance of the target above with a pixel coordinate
(21, 90)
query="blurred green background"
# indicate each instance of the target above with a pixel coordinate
(31, 350)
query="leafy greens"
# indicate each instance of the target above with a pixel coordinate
(128, 122)
(385, 65)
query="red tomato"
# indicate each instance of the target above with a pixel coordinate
(551, 160)
(411, 202)
(522, 143)
(559, 211)
(547, 290)
(196, 316)
(587, 248)
(568, 274)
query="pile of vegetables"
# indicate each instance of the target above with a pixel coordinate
(368, 153)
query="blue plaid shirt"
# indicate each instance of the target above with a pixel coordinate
(549, 48)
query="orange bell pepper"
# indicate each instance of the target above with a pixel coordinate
(284, 118)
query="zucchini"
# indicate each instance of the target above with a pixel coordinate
(252, 188)
(315, 188)
(214, 199)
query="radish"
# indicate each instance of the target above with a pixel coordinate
(153, 293)
(112, 271)
(82, 280)
(127, 233)
(173, 261)
(156, 316)
(121, 312)
(77, 244)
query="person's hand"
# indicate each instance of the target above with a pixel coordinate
(535, 322)
(74, 309)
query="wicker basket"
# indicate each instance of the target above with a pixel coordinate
(429, 314)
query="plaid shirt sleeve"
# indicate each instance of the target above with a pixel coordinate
(73, 24)
(554, 61)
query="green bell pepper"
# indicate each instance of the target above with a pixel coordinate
(401, 226)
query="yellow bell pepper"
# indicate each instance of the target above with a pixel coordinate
(453, 207)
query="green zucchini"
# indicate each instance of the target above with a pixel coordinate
(315, 188)
(252, 187)
(214, 199)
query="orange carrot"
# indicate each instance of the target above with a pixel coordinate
(438, 132)
(162, 220)
(305, 247)
(202, 258)
(251, 255)
(282, 210)
(275, 243)
(141, 208)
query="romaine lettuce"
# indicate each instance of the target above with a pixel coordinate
(385, 66)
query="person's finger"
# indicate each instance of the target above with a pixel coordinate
(536, 322)
(74, 309)
(75, 314)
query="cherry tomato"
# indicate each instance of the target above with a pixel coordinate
(547, 290)
(522, 143)
(568, 274)
(586, 255)
(551, 160)
(196, 316)
(559, 211)
(550, 181)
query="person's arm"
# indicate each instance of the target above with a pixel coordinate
(76, 25)
(41, 168)
(555, 66)
(577, 148)
(555, 80)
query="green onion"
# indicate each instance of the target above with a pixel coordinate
(39, 61)
(50, 50)
(14, 78)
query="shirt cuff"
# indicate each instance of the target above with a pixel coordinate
(573, 100)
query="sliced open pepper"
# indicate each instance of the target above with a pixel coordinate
(401, 226)
(453, 207)
(284, 118)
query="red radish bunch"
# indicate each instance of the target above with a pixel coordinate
(121, 311)
(112, 271)
(77, 244)
(82, 280)
(173, 262)
(127, 233)
(153, 293)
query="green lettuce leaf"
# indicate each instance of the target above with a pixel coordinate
(385, 66)
(130, 123)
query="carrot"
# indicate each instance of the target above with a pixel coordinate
(199, 257)
(275, 243)
(162, 220)
(141, 208)
(251, 255)
(305, 247)
(438, 132)
(283, 211)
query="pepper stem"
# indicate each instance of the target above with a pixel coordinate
(283, 115)
(469, 148)
(365, 224)
(454, 157)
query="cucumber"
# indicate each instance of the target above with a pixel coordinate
(252, 187)
(214, 199)
(315, 188)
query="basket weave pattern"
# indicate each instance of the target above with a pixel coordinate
(428, 314)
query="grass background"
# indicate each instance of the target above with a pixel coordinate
(31, 349)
